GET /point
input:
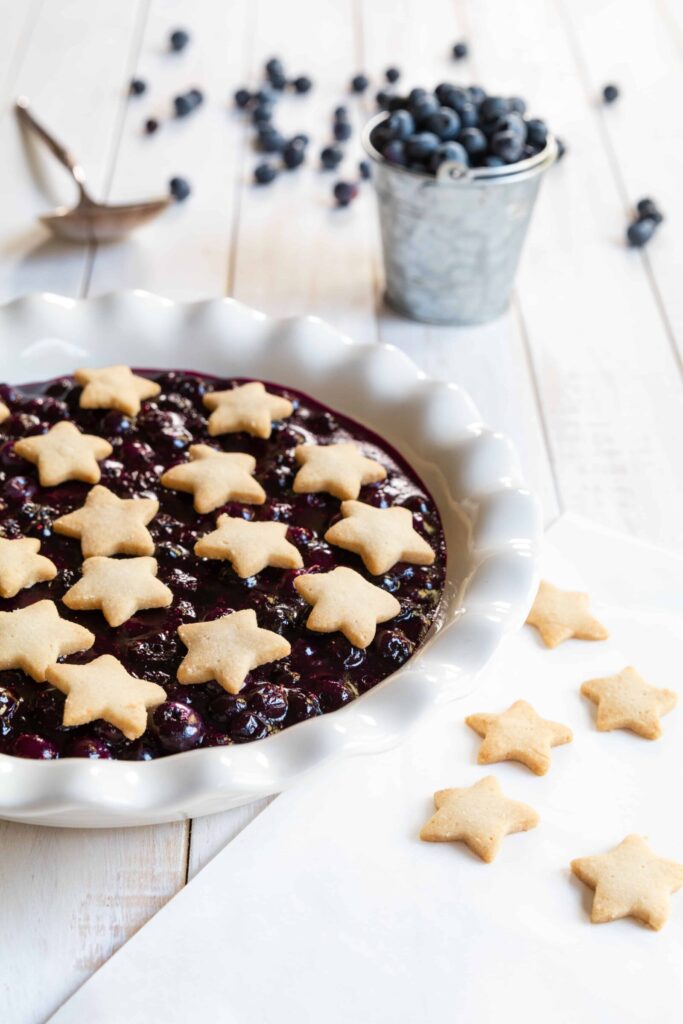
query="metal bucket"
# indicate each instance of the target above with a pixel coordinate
(452, 242)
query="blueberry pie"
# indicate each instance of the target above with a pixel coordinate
(188, 561)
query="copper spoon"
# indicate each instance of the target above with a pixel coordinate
(88, 221)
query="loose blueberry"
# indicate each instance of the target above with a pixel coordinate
(242, 98)
(392, 75)
(341, 114)
(179, 39)
(302, 84)
(648, 208)
(294, 154)
(641, 231)
(444, 122)
(345, 192)
(182, 105)
(262, 113)
(610, 93)
(451, 152)
(359, 83)
(341, 131)
(179, 189)
(34, 746)
(331, 157)
(196, 97)
(474, 141)
(274, 66)
(137, 87)
(269, 139)
(177, 726)
(151, 126)
(279, 83)
(264, 174)
(364, 169)
(460, 51)
(420, 147)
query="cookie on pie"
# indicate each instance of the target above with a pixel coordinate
(118, 587)
(107, 525)
(340, 469)
(21, 565)
(344, 600)
(4, 412)
(115, 387)
(215, 478)
(64, 453)
(247, 407)
(249, 546)
(381, 536)
(34, 637)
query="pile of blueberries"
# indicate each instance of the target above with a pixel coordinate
(457, 124)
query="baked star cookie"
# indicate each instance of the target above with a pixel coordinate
(64, 453)
(4, 412)
(107, 525)
(103, 689)
(630, 881)
(339, 469)
(118, 587)
(559, 615)
(344, 600)
(626, 701)
(115, 387)
(215, 477)
(250, 547)
(226, 649)
(479, 816)
(21, 566)
(381, 536)
(518, 734)
(33, 638)
(248, 407)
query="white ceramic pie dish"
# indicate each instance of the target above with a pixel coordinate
(492, 525)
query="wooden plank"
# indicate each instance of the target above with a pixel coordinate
(185, 254)
(639, 129)
(490, 361)
(608, 381)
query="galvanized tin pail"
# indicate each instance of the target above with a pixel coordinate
(452, 242)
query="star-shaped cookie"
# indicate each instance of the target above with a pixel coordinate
(626, 701)
(103, 689)
(559, 615)
(480, 816)
(630, 881)
(216, 477)
(518, 734)
(107, 525)
(344, 600)
(33, 638)
(64, 453)
(118, 587)
(21, 566)
(115, 387)
(248, 407)
(4, 412)
(339, 469)
(381, 536)
(227, 649)
(249, 546)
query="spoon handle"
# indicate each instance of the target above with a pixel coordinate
(63, 155)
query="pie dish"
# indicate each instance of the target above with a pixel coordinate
(213, 742)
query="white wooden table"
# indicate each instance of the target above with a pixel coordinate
(584, 372)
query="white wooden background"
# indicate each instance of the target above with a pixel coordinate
(584, 372)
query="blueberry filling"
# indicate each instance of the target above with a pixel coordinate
(322, 673)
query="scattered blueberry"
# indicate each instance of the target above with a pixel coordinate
(460, 51)
(293, 155)
(392, 75)
(274, 66)
(183, 105)
(137, 87)
(278, 81)
(179, 40)
(341, 114)
(610, 93)
(261, 113)
(196, 97)
(641, 231)
(341, 131)
(383, 99)
(345, 192)
(179, 189)
(331, 157)
(151, 125)
(264, 174)
(269, 139)
(364, 169)
(301, 139)
(242, 98)
(648, 208)
(359, 83)
(302, 84)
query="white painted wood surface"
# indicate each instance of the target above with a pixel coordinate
(584, 372)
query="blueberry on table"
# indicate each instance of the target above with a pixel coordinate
(460, 51)
(383, 99)
(196, 97)
(301, 139)
(179, 189)
(137, 87)
(331, 157)
(444, 122)
(274, 66)
(474, 141)
(395, 152)
(182, 105)
(610, 93)
(392, 75)
(261, 113)
(269, 139)
(179, 39)
(536, 132)
(364, 169)
(265, 95)
(341, 131)
(561, 148)
(278, 82)
(293, 155)
(359, 83)
(302, 84)
(345, 192)
(421, 146)
(341, 114)
(242, 98)
(264, 174)
(648, 208)
(641, 231)
(151, 126)
(451, 152)
(400, 125)
(493, 107)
